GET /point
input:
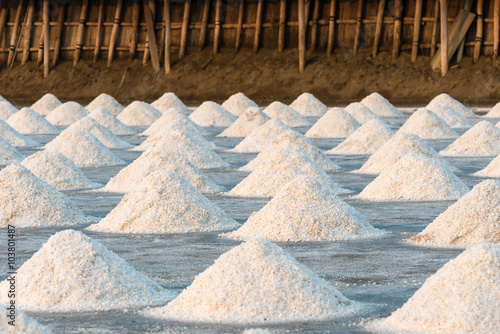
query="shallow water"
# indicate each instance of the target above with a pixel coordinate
(383, 272)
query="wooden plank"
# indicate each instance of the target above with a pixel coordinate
(60, 28)
(282, 26)
(152, 9)
(184, 31)
(81, 31)
(358, 27)
(460, 52)
(378, 28)
(258, 25)
(331, 28)
(98, 33)
(168, 33)
(13, 36)
(204, 24)
(46, 38)
(314, 28)
(151, 36)
(435, 29)
(396, 41)
(239, 28)
(28, 30)
(114, 32)
(444, 38)
(479, 31)
(217, 26)
(302, 36)
(416, 30)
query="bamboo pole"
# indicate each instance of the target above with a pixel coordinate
(358, 27)
(114, 32)
(60, 27)
(27, 35)
(161, 42)
(13, 36)
(98, 33)
(150, 27)
(46, 38)
(239, 27)
(204, 24)
(331, 28)
(479, 31)
(396, 42)
(460, 52)
(416, 30)
(258, 26)
(39, 59)
(314, 29)
(282, 26)
(378, 28)
(496, 27)
(306, 15)
(136, 10)
(217, 26)
(435, 29)
(81, 31)
(444, 38)
(302, 36)
(184, 30)
(166, 16)
(3, 17)
(152, 9)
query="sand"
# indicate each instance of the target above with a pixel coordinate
(105, 118)
(447, 114)
(101, 132)
(492, 170)
(8, 153)
(23, 324)
(139, 114)
(106, 101)
(360, 112)
(453, 104)
(170, 100)
(380, 106)
(259, 138)
(67, 114)
(309, 106)
(46, 104)
(171, 115)
(482, 140)
(28, 122)
(248, 121)
(287, 115)
(211, 114)
(336, 123)
(15, 138)
(238, 103)
(427, 125)
(6, 110)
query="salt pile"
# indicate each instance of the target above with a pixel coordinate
(74, 273)
(453, 104)
(365, 140)
(46, 104)
(415, 177)
(482, 140)
(15, 138)
(8, 153)
(28, 201)
(427, 125)
(104, 117)
(101, 132)
(58, 171)
(461, 297)
(170, 100)
(198, 153)
(398, 146)
(248, 121)
(129, 177)
(238, 103)
(308, 105)
(287, 115)
(164, 123)
(473, 219)
(67, 114)
(256, 282)
(380, 106)
(451, 117)
(2, 99)
(23, 324)
(139, 114)
(106, 101)
(165, 203)
(492, 170)
(212, 114)
(259, 138)
(360, 112)
(292, 141)
(494, 112)
(177, 125)
(278, 169)
(6, 110)
(83, 149)
(29, 122)
(336, 123)
(303, 210)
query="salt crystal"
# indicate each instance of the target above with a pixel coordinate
(8, 153)
(170, 100)
(27, 121)
(492, 170)
(360, 112)
(308, 105)
(46, 104)
(105, 118)
(6, 110)
(336, 123)
(238, 103)
(164, 123)
(262, 136)
(453, 104)
(101, 132)
(106, 101)
(427, 125)
(212, 114)
(450, 116)
(482, 140)
(380, 106)
(23, 323)
(139, 114)
(248, 121)
(287, 115)
(15, 138)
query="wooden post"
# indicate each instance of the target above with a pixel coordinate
(27, 35)
(114, 32)
(282, 26)
(168, 31)
(185, 26)
(378, 28)
(60, 27)
(496, 27)
(396, 42)
(302, 36)
(314, 29)
(258, 25)
(479, 31)
(331, 28)
(136, 9)
(39, 59)
(151, 36)
(204, 24)
(13, 36)
(81, 31)
(3, 16)
(417, 23)
(435, 29)
(98, 34)
(444, 38)
(152, 9)
(217, 26)
(239, 28)
(358, 27)
(46, 38)
(460, 52)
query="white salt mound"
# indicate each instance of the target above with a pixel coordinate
(336, 123)
(482, 140)
(415, 177)
(176, 125)
(84, 149)
(23, 324)
(8, 153)
(28, 201)
(494, 112)
(303, 210)
(248, 121)
(292, 141)
(105, 118)
(380, 106)
(129, 177)
(474, 219)
(106, 101)
(398, 146)
(67, 114)
(46, 104)
(101, 132)
(278, 169)
(139, 114)
(168, 116)
(6, 110)
(58, 171)
(498, 125)
(427, 125)
(164, 203)
(259, 138)
(29, 122)
(492, 170)
(453, 104)
(450, 116)
(287, 115)
(74, 273)
(238, 103)
(15, 138)
(461, 297)
(256, 282)
(308, 105)
(170, 100)
(2, 99)
(360, 112)
(212, 114)
(365, 140)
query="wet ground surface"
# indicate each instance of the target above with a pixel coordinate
(382, 273)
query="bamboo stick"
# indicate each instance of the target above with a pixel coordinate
(136, 9)
(13, 36)
(114, 32)
(282, 26)
(302, 36)
(460, 52)
(435, 29)
(444, 38)
(184, 31)
(27, 35)
(152, 9)
(306, 15)
(416, 30)
(239, 27)
(46, 38)
(358, 27)
(161, 42)
(496, 27)
(151, 36)
(204, 24)
(396, 42)
(331, 28)
(3, 17)
(166, 16)
(60, 27)
(81, 31)
(378, 28)
(98, 33)
(217, 26)
(258, 26)
(314, 28)
(39, 59)
(479, 31)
